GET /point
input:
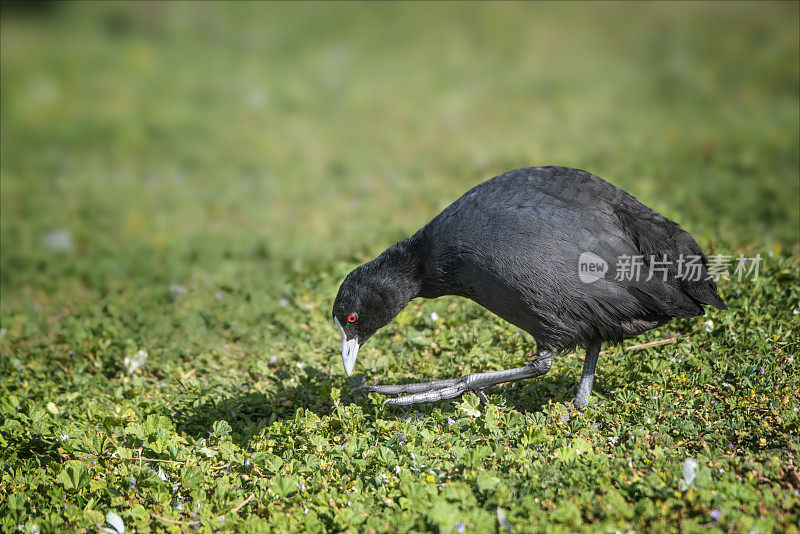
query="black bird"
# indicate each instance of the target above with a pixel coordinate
(559, 252)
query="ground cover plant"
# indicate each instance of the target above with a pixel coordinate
(185, 185)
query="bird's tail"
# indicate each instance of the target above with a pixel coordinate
(656, 236)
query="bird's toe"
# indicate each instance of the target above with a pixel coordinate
(382, 390)
(426, 396)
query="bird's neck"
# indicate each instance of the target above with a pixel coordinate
(401, 269)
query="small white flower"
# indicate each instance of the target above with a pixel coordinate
(116, 522)
(161, 475)
(283, 303)
(177, 289)
(709, 325)
(502, 520)
(434, 316)
(689, 467)
(135, 362)
(58, 240)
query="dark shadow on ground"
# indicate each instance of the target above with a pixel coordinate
(249, 412)
(528, 396)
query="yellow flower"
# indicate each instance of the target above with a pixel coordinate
(430, 479)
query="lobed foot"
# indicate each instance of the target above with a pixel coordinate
(432, 391)
(416, 387)
(437, 390)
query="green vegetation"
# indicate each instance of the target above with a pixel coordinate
(192, 182)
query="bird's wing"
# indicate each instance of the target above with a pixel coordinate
(527, 231)
(620, 221)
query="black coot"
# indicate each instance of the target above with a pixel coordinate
(561, 253)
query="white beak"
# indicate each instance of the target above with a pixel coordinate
(349, 349)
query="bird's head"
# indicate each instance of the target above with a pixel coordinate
(367, 301)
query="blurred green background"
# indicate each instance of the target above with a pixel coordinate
(149, 131)
(195, 179)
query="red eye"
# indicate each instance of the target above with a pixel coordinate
(352, 318)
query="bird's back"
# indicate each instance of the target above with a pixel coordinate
(515, 245)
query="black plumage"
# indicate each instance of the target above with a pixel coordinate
(515, 244)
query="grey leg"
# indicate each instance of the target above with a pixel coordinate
(453, 387)
(587, 376)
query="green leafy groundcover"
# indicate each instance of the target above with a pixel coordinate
(185, 185)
